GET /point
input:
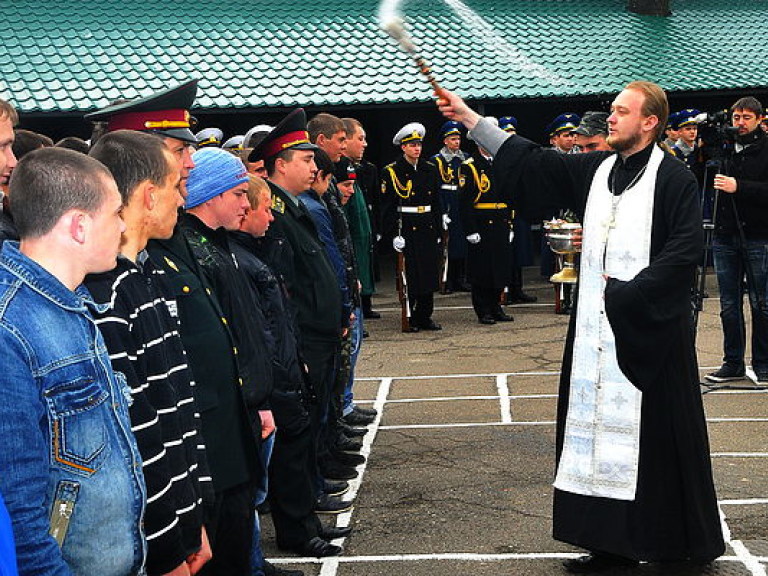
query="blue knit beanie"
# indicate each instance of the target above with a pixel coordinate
(215, 171)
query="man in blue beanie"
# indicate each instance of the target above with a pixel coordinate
(217, 202)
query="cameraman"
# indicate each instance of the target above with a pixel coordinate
(741, 242)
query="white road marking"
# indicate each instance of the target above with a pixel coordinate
(504, 403)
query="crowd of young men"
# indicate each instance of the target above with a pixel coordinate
(181, 329)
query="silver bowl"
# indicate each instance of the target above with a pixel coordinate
(561, 237)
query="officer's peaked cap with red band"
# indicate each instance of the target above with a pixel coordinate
(290, 134)
(165, 113)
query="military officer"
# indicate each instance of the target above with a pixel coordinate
(487, 221)
(411, 213)
(448, 160)
(209, 138)
(560, 132)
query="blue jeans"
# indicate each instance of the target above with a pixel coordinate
(357, 340)
(257, 556)
(730, 266)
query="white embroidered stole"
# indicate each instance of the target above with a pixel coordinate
(602, 431)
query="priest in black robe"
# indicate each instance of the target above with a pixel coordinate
(672, 515)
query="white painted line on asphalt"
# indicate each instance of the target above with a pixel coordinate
(464, 425)
(448, 376)
(331, 565)
(744, 556)
(461, 556)
(504, 404)
(739, 454)
(737, 419)
(744, 502)
(455, 398)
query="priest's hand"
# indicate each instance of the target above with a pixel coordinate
(398, 243)
(473, 238)
(725, 184)
(454, 108)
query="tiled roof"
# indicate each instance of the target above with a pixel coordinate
(77, 55)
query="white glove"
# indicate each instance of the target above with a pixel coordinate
(446, 221)
(511, 236)
(378, 237)
(473, 238)
(398, 243)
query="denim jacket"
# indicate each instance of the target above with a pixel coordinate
(70, 469)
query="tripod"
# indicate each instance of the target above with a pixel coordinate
(755, 295)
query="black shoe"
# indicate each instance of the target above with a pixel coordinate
(431, 325)
(411, 330)
(502, 316)
(371, 315)
(346, 444)
(365, 411)
(316, 547)
(726, 373)
(762, 377)
(336, 471)
(357, 419)
(333, 532)
(486, 319)
(365, 333)
(521, 297)
(272, 570)
(264, 507)
(329, 505)
(335, 487)
(463, 287)
(350, 431)
(592, 563)
(445, 291)
(347, 458)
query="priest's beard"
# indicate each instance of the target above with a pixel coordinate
(620, 145)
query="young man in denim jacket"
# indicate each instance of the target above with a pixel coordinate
(72, 477)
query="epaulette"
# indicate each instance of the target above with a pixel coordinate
(278, 204)
(468, 161)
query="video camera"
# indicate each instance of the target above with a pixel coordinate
(716, 133)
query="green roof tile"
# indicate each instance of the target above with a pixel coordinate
(72, 55)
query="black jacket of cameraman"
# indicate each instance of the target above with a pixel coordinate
(750, 168)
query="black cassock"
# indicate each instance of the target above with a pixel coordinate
(674, 515)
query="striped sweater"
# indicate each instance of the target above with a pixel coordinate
(144, 344)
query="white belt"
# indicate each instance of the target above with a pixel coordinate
(414, 209)
(449, 187)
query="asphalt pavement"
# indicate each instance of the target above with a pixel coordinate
(460, 460)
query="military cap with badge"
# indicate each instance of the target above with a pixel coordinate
(685, 117)
(411, 132)
(450, 128)
(234, 145)
(209, 137)
(566, 122)
(508, 124)
(164, 113)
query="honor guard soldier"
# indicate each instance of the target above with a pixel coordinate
(234, 145)
(487, 221)
(448, 160)
(591, 133)
(686, 147)
(209, 138)
(411, 213)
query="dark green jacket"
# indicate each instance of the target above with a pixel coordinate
(210, 353)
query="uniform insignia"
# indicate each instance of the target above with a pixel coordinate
(171, 263)
(462, 179)
(278, 204)
(383, 187)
